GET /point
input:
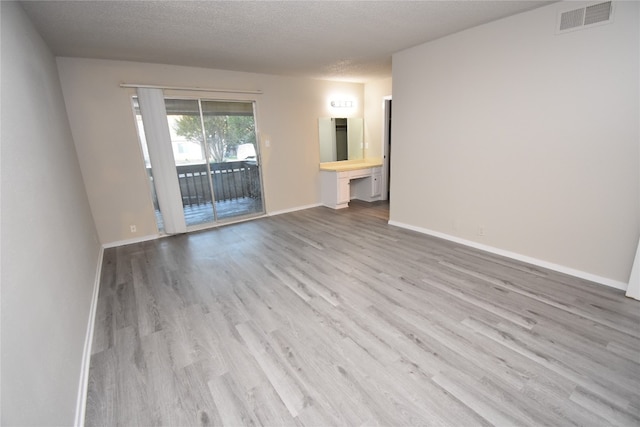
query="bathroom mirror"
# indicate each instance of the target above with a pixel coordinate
(340, 139)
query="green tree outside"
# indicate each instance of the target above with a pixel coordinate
(224, 133)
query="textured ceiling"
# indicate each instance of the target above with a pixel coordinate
(336, 40)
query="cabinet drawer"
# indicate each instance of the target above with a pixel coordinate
(360, 173)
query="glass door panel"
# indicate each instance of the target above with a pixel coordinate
(230, 131)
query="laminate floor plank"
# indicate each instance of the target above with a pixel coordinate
(592, 382)
(396, 397)
(467, 390)
(459, 348)
(162, 378)
(620, 380)
(610, 364)
(323, 317)
(281, 378)
(630, 326)
(605, 408)
(230, 402)
(551, 282)
(194, 394)
(596, 303)
(102, 392)
(319, 368)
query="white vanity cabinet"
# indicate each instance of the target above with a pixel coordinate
(335, 190)
(338, 187)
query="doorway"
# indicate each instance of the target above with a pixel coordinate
(214, 162)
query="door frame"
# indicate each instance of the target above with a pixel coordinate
(386, 146)
(199, 98)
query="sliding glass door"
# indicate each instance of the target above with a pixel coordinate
(215, 160)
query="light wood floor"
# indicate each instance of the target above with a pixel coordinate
(324, 317)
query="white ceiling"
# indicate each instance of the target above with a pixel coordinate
(336, 40)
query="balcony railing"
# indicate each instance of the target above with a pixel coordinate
(231, 181)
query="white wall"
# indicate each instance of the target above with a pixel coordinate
(355, 138)
(49, 243)
(531, 135)
(103, 128)
(374, 93)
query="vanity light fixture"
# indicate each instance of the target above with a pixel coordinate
(341, 103)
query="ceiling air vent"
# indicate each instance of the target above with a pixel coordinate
(585, 17)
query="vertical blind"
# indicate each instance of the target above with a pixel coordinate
(156, 129)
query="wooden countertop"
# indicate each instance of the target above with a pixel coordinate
(349, 165)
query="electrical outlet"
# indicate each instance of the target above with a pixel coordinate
(133, 228)
(481, 230)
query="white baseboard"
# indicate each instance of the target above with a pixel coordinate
(297, 208)
(81, 402)
(130, 241)
(519, 257)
